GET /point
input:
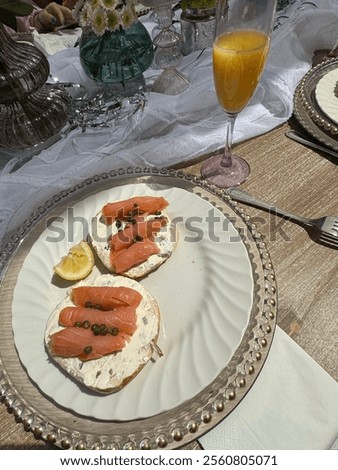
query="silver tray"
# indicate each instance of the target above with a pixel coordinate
(177, 427)
(307, 111)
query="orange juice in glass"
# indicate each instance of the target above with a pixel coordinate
(241, 44)
(238, 61)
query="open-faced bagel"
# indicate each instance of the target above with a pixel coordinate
(165, 240)
(111, 372)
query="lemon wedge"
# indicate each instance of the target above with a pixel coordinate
(77, 264)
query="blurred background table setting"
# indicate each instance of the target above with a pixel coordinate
(168, 117)
(180, 126)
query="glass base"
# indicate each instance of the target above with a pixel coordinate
(171, 82)
(225, 177)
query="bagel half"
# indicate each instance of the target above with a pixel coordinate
(112, 372)
(165, 240)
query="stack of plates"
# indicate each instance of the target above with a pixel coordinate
(316, 103)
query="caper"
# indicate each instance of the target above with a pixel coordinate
(98, 306)
(78, 324)
(88, 304)
(133, 212)
(103, 330)
(87, 349)
(96, 330)
(86, 324)
(114, 331)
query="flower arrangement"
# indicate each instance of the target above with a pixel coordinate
(99, 16)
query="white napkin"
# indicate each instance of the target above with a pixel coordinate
(291, 406)
(51, 43)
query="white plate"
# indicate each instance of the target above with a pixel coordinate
(204, 290)
(325, 95)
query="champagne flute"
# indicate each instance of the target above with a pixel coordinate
(241, 44)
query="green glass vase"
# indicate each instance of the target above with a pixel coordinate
(116, 56)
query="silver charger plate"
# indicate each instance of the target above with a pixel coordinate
(307, 111)
(182, 424)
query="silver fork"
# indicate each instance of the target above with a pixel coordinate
(326, 227)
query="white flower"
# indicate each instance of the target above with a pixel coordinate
(77, 8)
(128, 16)
(113, 20)
(110, 4)
(85, 16)
(99, 21)
(102, 15)
(94, 4)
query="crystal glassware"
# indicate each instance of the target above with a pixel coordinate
(197, 28)
(31, 111)
(240, 48)
(168, 52)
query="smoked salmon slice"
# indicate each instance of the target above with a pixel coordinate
(104, 297)
(135, 254)
(82, 343)
(136, 232)
(134, 206)
(123, 318)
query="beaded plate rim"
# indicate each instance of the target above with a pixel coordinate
(177, 427)
(306, 109)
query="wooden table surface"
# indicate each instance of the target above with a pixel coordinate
(299, 180)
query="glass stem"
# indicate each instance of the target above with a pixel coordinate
(164, 18)
(226, 159)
